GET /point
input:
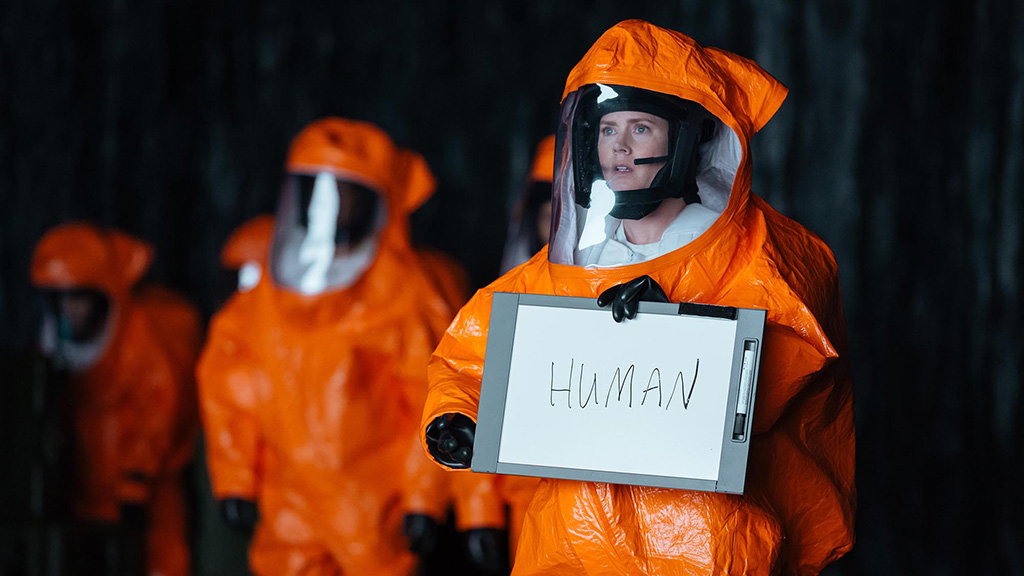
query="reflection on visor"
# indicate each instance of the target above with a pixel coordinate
(353, 207)
(326, 230)
(607, 93)
(602, 199)
(317, 249)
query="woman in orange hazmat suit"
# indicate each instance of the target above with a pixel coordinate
(129, 351)
(652, 200)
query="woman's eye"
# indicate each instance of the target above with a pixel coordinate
(641, 129)
(607, 131)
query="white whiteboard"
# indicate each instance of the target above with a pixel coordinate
(571, 393)
(685, 371)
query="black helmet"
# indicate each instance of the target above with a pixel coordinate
(689, 125)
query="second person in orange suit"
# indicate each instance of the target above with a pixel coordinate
(312, 381)
(129, 352)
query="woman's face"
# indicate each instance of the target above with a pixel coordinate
(626, 136)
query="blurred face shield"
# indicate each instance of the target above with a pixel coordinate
(630, 154)
(77, 324)
(530, 225)
(327, 232)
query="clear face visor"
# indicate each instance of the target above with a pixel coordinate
(326, 232)
(638, 174)
(76, 326)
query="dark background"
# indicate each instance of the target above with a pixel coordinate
(901, 143)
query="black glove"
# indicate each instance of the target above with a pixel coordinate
(487, 550)
(133, 517)
(450, 440)
(626, 298)
(240, 514)
(132, 538)
(422, 533)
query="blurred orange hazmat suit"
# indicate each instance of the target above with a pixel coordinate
(132, 396)
(797, 514)
(247, 249)
(312, 382)
(476, 502)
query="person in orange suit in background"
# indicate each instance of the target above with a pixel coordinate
(531, 219)
(312, 381)
(651, 201)
(477, 505)
(129, 351)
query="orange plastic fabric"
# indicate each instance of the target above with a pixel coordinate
(447, 275)
(311, 403)
(543, 167)
(798, 511)
(250, 242)
(133, 411)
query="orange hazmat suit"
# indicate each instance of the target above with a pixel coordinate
(246, 251)
(310, 400)
(543, 167)
(250, 242)
(133, 409)
(447, 276)
(797, 513)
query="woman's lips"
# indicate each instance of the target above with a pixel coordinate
(622, 168)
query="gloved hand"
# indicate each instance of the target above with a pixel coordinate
(487, 550)
(626, 298)
(134, 522)
(450, 440)
(240, 514)
(421, 531)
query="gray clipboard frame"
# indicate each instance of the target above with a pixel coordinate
(490, 416)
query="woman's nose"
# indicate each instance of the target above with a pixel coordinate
(621, 144)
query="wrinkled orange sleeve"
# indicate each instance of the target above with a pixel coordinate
(478, 501)
(228, 378)
(455, 388)
(457, 366)
(155, 404)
